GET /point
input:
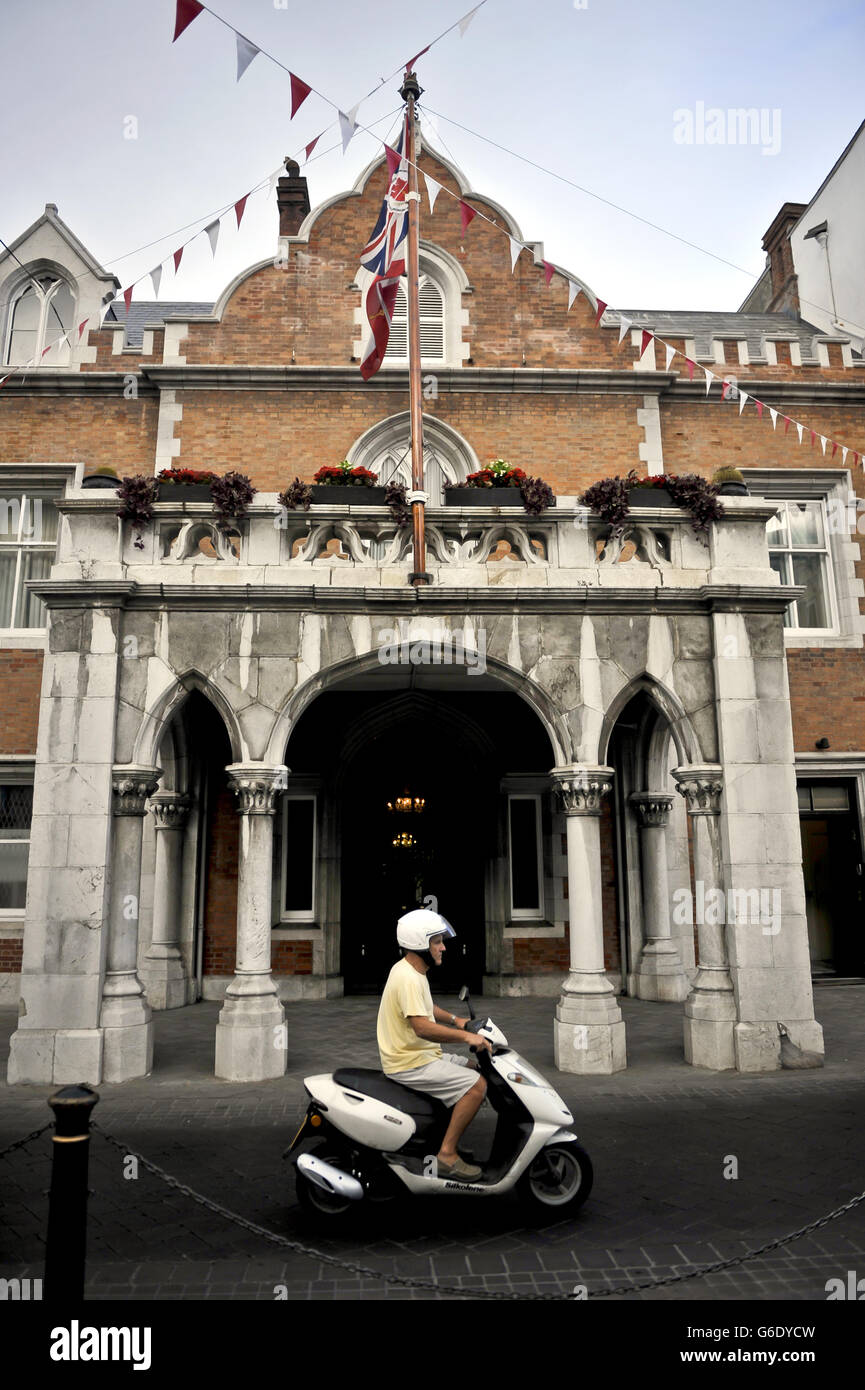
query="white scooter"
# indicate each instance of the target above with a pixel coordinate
(375, 1138)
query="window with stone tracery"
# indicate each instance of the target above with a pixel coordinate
(42, 312)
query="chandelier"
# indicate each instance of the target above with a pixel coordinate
(404, 840)
(406, 804)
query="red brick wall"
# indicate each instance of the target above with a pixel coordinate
(291, 958)
(71, 429)
(827, 694)
(10, 955)
(20, 683)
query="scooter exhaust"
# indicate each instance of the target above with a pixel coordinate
(330, 1179)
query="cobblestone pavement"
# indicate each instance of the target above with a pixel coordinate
(658, 1134)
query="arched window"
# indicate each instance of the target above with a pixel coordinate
(431, 303)
(385, 449)
(42, 311)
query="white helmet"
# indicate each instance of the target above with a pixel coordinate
(416, 929)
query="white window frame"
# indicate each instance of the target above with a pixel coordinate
(831, 629)
(526, 914)
(401, 359)
(301, 914)
(60, 357)
(45, 492)
(16, 774)
(833, 487)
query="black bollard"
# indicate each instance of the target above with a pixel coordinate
(66, 1245)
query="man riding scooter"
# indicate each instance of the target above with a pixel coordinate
(410, 1028)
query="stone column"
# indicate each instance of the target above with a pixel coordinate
(660, 974)
(589, 1033)
(250, 1034)
(126, 1016)
(710, 1009)
(163, 971)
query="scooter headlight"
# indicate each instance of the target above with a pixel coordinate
(521, 1079)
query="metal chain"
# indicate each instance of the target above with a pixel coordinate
(19, 1143)
(403, 1280)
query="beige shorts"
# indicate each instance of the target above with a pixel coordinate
(448, 1078)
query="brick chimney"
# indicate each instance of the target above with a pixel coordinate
(292, 199)
(776, 242)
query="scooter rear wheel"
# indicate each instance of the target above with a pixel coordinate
(558, 1180)
(315, 1200)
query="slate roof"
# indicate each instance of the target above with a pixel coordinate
(146, 314)
(703, 325)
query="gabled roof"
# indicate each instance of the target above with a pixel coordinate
(50, 216)
(151, 314)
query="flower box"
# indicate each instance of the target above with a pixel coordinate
(185, 492)
(336, 494)
(649, 497)
(484, 497)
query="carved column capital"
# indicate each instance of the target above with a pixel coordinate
(255, 785)
(132, 784)
(701, 786)
(581, 787)
(170, 810)
(652, 808)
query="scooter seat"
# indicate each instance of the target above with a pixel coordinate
(423, 1109)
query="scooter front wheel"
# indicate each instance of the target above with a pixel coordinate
(558, 1180)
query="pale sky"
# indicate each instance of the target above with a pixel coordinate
(591, 92)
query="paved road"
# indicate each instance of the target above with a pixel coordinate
(659, 1135)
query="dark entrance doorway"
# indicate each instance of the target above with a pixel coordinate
(415, 832)
(832, 869)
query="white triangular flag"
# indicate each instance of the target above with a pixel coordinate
(774, 415)
(671, 353)
(516, 248)
(156, 277)
(347, 126)
(467, 19)
(573, 291)
(799, 430)
(823, 443)
(710, 377)
(246, 51)
(743, 398)
(433, 189)
(213, 233)
(844, 452)
(624, 325)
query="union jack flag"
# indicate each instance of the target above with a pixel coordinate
(384, 257)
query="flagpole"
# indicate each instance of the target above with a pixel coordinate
(410, 93)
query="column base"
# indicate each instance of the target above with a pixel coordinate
(709, 1043)
(55, 1056)
(589, 1031)
(250, 1033)
(760, 1046)
(164, 980)
(127, 1025)
(660, 975)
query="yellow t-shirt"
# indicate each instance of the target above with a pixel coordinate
(406, 995)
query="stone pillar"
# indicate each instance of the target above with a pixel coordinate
(589, 1033)
(250, 1034)
(125, 1015)
(710, 1009)
(660, 974)
(163, 971)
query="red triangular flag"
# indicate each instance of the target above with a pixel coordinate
(187, 11)
(81, 327)
(759, 405)
(549, 271)
(834, 448)
(786, 423)
(467, 214)
(601, 307)
(646, 339)
(392, 158)
(300, 90)
(813, 437)
(177, 255)
(725, 386)
(47, 349)
(311, 146)
(411, 62)
(690, 365)
(240, 207)
(127, 294)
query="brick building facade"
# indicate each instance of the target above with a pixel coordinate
(610, 738)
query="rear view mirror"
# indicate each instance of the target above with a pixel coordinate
(464, 994)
